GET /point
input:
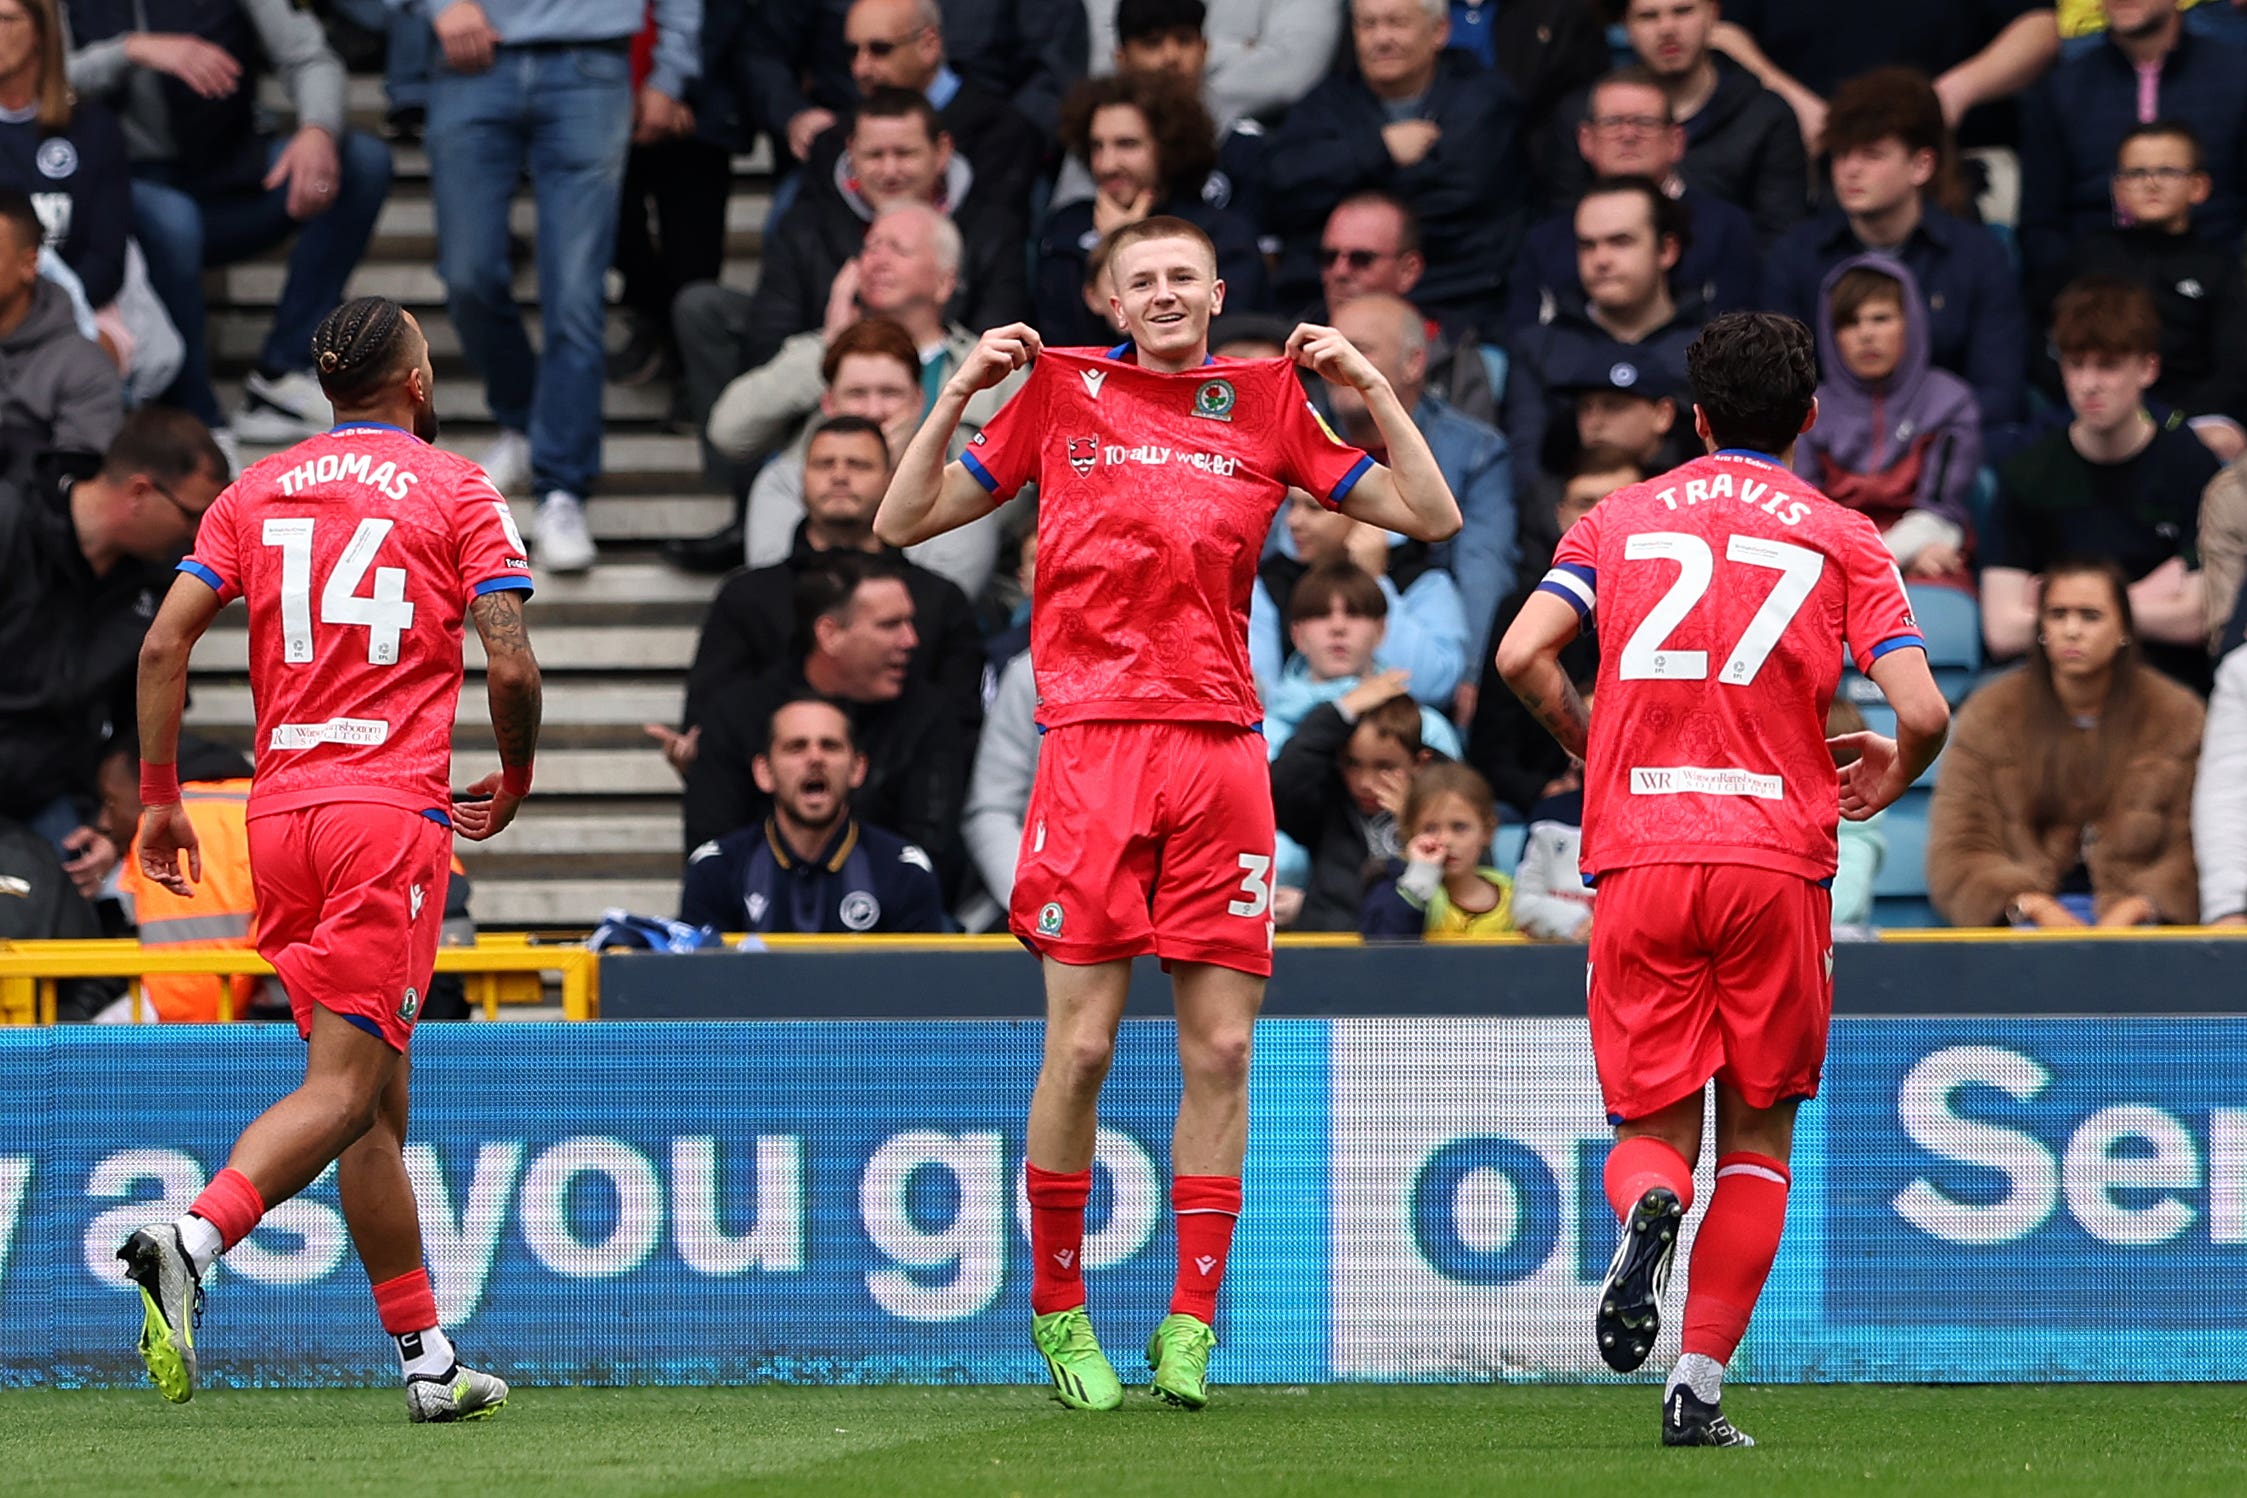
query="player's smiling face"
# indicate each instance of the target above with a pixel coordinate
(1166, 292)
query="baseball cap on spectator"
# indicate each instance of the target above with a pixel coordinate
(1619, 370)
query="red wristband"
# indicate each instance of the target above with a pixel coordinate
(159, 784)
(516, 783)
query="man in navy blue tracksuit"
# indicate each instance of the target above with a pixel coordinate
(811, 867)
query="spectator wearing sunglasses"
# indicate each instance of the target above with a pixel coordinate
(1370, 246)
(899, 44)
(807, 57)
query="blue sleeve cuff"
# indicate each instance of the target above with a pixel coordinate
(1895, 642)
(202, 573)
(510, 583)
(1358, 470)
(978, 472)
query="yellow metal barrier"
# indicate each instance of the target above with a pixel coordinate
(499, 968)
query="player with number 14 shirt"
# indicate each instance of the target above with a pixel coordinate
(359, 553)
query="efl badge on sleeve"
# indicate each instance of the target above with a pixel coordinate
(1214, 400)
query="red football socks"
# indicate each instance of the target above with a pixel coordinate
(406, 1304)
(1206, 1208)
(1057, 1199)
(1732, 1256)
(1640, 1163)
(230, 1204)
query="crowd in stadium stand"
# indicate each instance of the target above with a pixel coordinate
(2016, 230)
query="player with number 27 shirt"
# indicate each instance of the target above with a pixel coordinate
(1725, 592)
(1149, 830)
(360, 553)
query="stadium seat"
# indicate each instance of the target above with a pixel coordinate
(1900, 888)
(1494, 366)
(1505, 849)
(1951, 621)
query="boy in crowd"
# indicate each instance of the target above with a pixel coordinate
(2117, 483)
(1896, 437)
(1338, 789)
(2160, 178)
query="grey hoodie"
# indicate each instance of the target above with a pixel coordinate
(53, 383)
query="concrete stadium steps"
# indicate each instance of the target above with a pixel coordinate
(636, 409)
(545, 903)
(633, 463)
(602, 828)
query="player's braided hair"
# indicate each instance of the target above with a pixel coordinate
(358, 346)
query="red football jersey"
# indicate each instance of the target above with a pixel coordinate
(358, 551)
(1725, 592)
(1155, 494)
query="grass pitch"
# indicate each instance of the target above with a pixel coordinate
(1545, 1442)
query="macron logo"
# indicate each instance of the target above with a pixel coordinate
(415, 895)
(1205, 1264)
(1064, 1257)
(1093, 380)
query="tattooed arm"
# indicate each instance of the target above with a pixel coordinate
(1529, 660)
(516, 699)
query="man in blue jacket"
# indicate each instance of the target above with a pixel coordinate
(1431, 126)
(1886, 137)
(811, 867)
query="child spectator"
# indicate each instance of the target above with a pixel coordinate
(1896, 437)
(2160, 178)
(1863, 844)
(1425, 630)
(1551, 900)
(1444, 885)
(1337, 619)
(1338, 789)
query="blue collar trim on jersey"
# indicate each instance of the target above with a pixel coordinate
(368, 426)
(1124, 348)
(1750, 454)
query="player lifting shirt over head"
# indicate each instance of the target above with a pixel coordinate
(1149, 829)
(1725, 592)
(359, 552)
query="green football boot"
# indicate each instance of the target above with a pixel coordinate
(1082, 1376)
(171, 1300)
(1178, 1356)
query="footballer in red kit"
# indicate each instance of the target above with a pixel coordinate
(1149, 830)
(1726, 592)
(360, 554)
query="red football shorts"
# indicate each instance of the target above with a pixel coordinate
(350, 902)
(1709, 970)
(1148, 837)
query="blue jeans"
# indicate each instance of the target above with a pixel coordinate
(566, 114)
(405, 71)
(182, 234)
